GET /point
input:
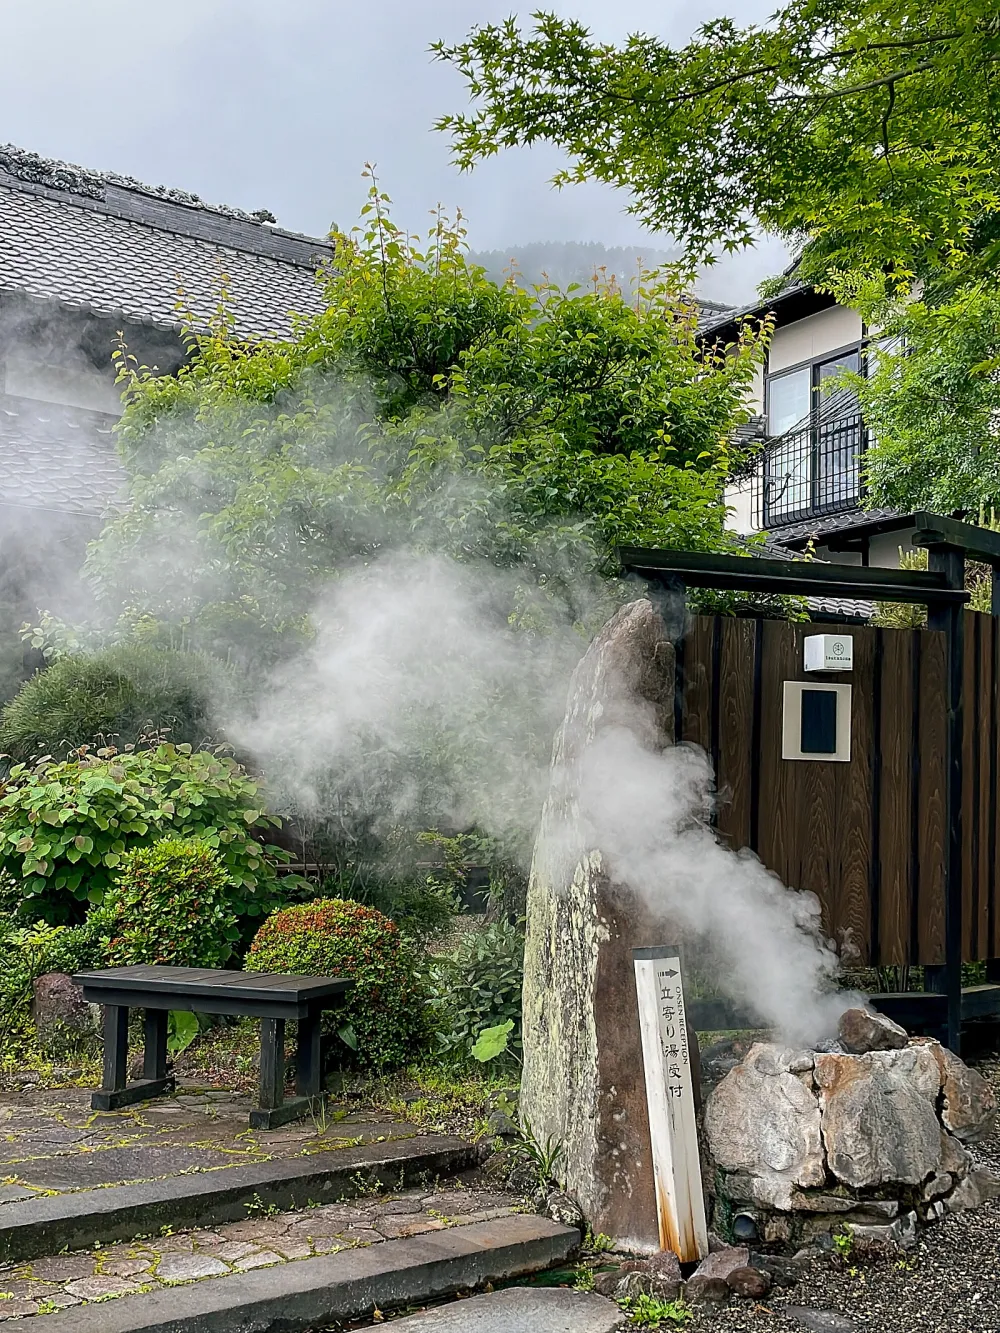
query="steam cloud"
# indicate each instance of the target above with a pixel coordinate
(416, 651)
(647, 812)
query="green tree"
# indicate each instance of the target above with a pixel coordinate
(426, 409)
(869, 129)
(933, 406)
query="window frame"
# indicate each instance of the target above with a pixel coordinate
(813, 506)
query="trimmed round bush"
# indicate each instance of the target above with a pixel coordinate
(384, 1015)
(116, 695)
(170, 903)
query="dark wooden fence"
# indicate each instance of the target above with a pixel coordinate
(867, 837)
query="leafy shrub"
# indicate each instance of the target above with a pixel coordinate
(121, 693)
(27, 952)
(171, 903)
(65, 826)
(478, 987)
(383, 1019)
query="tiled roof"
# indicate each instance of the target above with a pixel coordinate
(60, 459)
(108, 244)
(829, 525)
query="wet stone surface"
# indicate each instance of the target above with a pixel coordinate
(949, 1282)
(50, 1284)
(52, 1142)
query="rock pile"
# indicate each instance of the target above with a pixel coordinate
(869, 1135)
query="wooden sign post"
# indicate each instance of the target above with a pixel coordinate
(673, 1131)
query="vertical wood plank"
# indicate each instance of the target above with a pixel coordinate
(817, 833)
(778, 837)
(734, 778)
(853, 781)
(970, 810)
(896, 794)
(994, 825)
(932, 839)
(981, 932)
(697, 728)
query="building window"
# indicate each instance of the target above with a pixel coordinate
(813, 465)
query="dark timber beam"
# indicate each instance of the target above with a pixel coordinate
(803, 578)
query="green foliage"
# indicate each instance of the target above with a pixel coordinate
(170, 903)
(425, 409)
(492, 1042)
(869, 128)
(933, 405)
(383, 1015)
(115, 696)
(65, 827)
(479, 987)
(541, 1159)
(907, 615)
(182, 1029)
(651, 1312)
(28, 952)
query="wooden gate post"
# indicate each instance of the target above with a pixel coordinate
(950, 617)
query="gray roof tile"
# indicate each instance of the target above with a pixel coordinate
(59, 459)
(121, 249)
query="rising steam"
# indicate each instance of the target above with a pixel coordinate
(646, 811)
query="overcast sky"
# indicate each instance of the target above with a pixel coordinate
(278, 103)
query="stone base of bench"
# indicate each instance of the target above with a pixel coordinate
(105, 1100)
(295, 1108)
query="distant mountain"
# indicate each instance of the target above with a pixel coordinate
(565, 262)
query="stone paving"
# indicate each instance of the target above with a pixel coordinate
(265, 1238)
(52, 1143)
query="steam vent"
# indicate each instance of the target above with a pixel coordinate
(871, 1134)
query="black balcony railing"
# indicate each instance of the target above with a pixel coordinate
(810, 471)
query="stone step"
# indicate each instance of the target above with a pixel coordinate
(313, 1292)
(520, 1310)
(31, 1228)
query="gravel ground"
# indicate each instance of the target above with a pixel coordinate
(949, 1282)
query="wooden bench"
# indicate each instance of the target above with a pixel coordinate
(272, 999)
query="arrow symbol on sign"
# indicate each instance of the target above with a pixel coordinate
(671, 973)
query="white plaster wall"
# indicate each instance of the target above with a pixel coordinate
(755, 398)
(808, 338)
(834, 557)
(883, 550)
(739, 498)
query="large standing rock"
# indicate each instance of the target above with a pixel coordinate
(880, 1121)
(583, 1081)
(970, 1105)
(762, 1123)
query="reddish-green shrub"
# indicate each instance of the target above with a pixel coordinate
(384, 1019)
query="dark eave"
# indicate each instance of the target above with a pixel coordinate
(797, 302)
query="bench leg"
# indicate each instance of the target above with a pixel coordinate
(272, 1063)
(273, 1109)
(116, 1090)
(115, 1048)
(154, 1055)
(308, 1060)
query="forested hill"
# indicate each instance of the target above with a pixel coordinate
(565, 262)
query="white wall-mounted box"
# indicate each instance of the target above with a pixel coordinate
(829, 652)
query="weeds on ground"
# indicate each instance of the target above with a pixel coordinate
(540, 1159)
(431, 1096)
(650, 1312)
